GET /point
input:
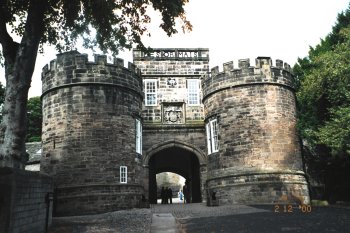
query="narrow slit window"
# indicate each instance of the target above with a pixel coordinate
(208, 138)
(138, 136)
(123, 174)
(212, 136)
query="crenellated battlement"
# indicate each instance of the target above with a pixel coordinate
(263, 72)
(72, 68)
(244, 64)
(81, 60)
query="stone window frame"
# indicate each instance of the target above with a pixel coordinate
(123, 174)
(195, 93)
(149, 93)
(138, 136)
(212, 132)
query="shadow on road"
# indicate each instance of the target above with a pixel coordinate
(318, 220)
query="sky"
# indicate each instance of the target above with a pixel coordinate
(236, 29)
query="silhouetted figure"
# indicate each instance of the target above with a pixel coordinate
(163, 195)
(166, 196)
(213, 196)
(186, 193)
(189, 190)
(170, 195)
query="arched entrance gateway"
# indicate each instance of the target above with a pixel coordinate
(173, 131)
(230, 133)
(180, 158)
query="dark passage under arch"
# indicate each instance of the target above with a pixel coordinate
(179, 161)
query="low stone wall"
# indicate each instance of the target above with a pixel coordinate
(92, 199)
(23, 201)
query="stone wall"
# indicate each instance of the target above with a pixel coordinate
(259, 158)
(170, 61)
(89, 115)
(179, 65)
(157, 135)
(24, 206)
(173, 121)
(172, 68)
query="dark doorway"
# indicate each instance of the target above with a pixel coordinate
(179, 161)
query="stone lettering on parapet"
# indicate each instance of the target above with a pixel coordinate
(178, 54)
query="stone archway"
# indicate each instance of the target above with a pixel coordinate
(180, 158)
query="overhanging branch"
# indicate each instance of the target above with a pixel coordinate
(9, 47)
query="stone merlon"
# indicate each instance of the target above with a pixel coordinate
(245, 74)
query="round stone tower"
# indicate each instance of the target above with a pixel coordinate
(91, 111)
(254, 153)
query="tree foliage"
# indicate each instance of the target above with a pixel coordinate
(324, 91)
(35, 118)
(109, 24)
(117, 24)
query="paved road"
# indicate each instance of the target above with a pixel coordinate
(124, 221)
(319, 220)
(187, 212)
(200, 210)
(198, 218)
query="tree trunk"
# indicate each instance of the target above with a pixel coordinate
(19, 67)
(12, 149)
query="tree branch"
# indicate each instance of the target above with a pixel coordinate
(34, 27)
(28, 48)
(9, 47)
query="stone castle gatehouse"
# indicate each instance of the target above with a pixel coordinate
(108, 130)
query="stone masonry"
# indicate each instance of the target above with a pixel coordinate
(173, 121)
(259, 158)
(232, 133)
(171, 73)
(89, 115)
(25, 204)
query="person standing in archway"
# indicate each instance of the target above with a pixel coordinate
(163, 195)
(166, 195)
(189, 191)
(170, 195)
(181, 195)
(186, 193)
